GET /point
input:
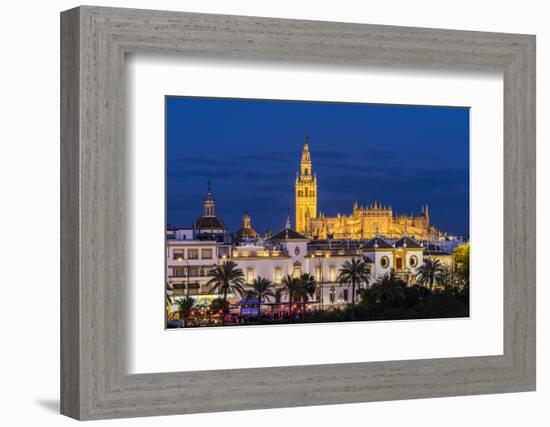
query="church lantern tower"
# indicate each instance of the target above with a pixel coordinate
(208, 203)
(306, 192)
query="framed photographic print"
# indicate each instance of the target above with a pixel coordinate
(299, 212)
(370, 263)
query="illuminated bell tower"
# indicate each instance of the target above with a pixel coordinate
(306, 191)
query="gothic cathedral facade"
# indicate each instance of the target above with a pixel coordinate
(363, 222)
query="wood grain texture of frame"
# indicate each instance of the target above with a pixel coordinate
(94, 41)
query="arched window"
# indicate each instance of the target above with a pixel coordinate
(306, 191)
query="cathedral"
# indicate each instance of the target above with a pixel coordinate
(364, 222)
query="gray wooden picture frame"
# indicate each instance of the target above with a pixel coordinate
(94, 41)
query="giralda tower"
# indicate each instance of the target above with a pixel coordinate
(306, 191)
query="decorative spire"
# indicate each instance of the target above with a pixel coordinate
(208, 203)
(306, 158)
(247, 223)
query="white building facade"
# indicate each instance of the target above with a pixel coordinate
(189, 263)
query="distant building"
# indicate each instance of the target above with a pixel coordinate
(189, 262)
(209, 226)
(288, 252)
(363, 222)
(319, 246)
(246, 233)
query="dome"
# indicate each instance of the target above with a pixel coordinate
(246, 231)
(209, 221)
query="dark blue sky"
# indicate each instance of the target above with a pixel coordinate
(404, 156)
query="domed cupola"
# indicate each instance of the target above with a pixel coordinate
(246, 232)
(209, 222)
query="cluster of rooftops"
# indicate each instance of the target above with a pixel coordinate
(210, 227)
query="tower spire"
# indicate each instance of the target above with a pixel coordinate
(306, 190)
(208, 203)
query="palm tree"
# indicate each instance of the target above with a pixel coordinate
(294, 288)
(226, 278)
(185, 306)
(387, 288)
(262, 289)
(355, 272)
(445, 278)
(428, 272)
(310, 286)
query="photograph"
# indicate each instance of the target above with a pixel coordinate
(282, 212)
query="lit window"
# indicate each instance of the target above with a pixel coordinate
(223, 252)
(332, 273)
(206, 254)
(318, 274)
(179, 254)
(278, 275)
(249, 275)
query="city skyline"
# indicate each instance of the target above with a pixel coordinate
(403, 156)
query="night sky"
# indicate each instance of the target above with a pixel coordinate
(403, 156)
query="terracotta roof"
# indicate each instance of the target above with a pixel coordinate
(377, 243)
(408, 243)
(286, 234)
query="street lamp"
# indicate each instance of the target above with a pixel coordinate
(187, 287)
